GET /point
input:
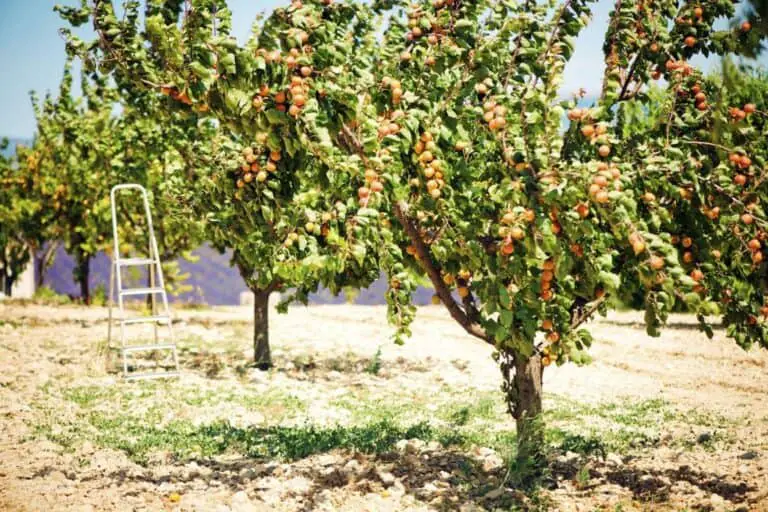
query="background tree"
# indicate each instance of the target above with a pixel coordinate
(76, 144)
(280, 101)
(17, 209)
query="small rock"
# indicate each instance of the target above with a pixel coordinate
(614, 459)
(401, 445)
(414, 446)
(387, 478)
(327, 460)
(492, 462)
(568, 458)
(351, 468)
(444, 475)
(430, 488)
(704, 437)
(495, 493)
(750, 455)
(434, 446)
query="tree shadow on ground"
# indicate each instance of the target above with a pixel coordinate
(650, 485)
(430, 468)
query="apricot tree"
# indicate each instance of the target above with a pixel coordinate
(280, 192)
(17, 209)
(74, 148)
(534, 223)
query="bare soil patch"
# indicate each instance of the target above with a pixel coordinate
(349, 421)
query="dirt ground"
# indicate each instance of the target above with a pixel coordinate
(678, 422)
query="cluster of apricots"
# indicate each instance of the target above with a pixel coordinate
(373, 185)
(431, 166)
(679, 67)
(605, 176)
(388, 123)
(512, 228)
(699, 97)
(494, 115)
(395, 88)
(739, 114)
(291, 101)
(742, 163)
(547, 277)
(595, 132)
(256, 167)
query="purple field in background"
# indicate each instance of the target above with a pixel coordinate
(214, 281)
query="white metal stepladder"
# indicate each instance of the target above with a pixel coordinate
(152, 262)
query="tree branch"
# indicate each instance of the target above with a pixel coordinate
(586, 314)
(433, 272)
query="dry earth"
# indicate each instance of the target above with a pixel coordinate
(349, 421)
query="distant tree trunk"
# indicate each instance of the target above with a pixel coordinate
(82, 275)
(8, 276)
(523, 387)
(44, 262)
(262, 357)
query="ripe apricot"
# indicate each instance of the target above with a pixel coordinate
(745, 162)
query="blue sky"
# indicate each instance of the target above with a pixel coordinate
(32, 54)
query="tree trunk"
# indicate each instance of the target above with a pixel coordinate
(4, 280)
(523, 387)
(261, 353)
(83, 273)
(530, 425)
(43, 263)
(7, 283)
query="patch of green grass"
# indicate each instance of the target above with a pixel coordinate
(147, 395)
(374, 366)
(47, 296)
(138, 437)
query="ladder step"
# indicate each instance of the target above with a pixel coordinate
(141, 291)
(138, 348)
(146, 319)
(133, 262)
(156, 375)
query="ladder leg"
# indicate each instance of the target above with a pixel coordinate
(110, 302)
(152, 295)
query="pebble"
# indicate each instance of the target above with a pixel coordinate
(495, 493)
(387, 478)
